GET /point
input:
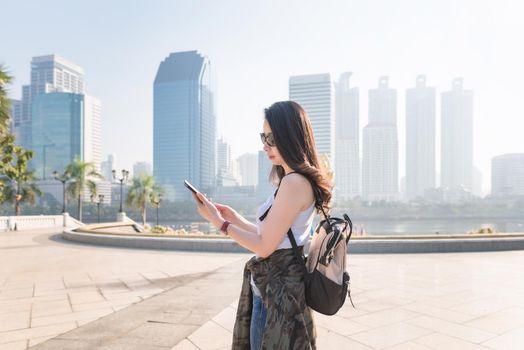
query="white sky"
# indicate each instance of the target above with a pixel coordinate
(255, 46)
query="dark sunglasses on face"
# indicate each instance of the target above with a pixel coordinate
(269, 139)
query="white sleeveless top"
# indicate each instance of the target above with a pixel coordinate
(301, 229)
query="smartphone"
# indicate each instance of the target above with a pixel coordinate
(192, 189)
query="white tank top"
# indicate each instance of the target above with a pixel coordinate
(301, 229)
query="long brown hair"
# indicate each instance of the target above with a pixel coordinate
(294, 140)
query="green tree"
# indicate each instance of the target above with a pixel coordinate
(82, 175)
(5, 105)
(143, 190)
(19, 184)
(6, 139)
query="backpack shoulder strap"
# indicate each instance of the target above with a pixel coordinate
(290, 237)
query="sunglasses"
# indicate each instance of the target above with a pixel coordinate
(268, 139)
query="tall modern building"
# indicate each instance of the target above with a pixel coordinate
(380, 145)
(184, 124)
(16, 117)
(49, 73)
(347, 167)
(107, 167)
(248, 168)
(420, 138)
(507, 175)
(223, 156)
(142, 168)
(65, 126)
(264, 187)
(457, 137)
(227, 169)
(315, 94)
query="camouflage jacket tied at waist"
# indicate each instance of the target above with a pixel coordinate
(289, 321)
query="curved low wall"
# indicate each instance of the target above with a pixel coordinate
(437, 245)
(366, 245)
(168, 243)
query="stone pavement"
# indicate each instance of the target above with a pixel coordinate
(49, 286)
(403, 301)
(448, 301)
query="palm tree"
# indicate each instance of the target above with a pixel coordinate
(143, 190)
(20, 181)
(6, 139)
(82, 175)
(5, 79)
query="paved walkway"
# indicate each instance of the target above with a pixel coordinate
(49, 286)
(54, 289)
(415, 301)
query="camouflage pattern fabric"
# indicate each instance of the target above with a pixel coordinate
(289, 322)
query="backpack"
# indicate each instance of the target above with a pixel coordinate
(325, 277)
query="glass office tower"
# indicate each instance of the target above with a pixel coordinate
(57, 132)
(184, 124)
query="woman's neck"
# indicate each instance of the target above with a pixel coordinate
(287, 169)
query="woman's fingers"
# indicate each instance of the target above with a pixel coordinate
(202, 198)
(197, 199)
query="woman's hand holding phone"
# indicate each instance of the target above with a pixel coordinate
(208, 210)
(227, 212)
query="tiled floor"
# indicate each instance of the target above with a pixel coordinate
(48, 287)
(405, 301)
(416, 301)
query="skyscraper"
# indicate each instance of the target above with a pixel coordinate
(457, 137)
(420, 138)
(507, 175)
(315, 94)
(49, 73)
(107, 167)
(140, 168)
(264, 187)
(347, 167)
(248, 167)
(16, 117)
(223, 156)
(380, 145)
(65, 126)
(226, 167)
(184, 124)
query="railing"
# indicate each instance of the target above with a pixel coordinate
(26, 222)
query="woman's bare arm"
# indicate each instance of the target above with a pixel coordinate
(235, 218)
(293, 194)
(246, 225)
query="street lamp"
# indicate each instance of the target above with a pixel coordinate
(125, 174)
(63, 179)
(100, 200)
(156, 201)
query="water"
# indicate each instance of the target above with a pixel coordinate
(402, 227)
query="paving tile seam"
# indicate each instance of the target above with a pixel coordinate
(187, 280)
(348, 337)
(25, 246)
(461, 339)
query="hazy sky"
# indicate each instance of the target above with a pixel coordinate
(254, 46)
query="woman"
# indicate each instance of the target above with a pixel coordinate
(272, 312)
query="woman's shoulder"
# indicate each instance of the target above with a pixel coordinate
(296, 179)
(299, 184)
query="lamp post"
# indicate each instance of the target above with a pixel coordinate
(100, 200)
(63, 179)
(125, 174)
(156, 201)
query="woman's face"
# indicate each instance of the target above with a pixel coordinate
(272, 152)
